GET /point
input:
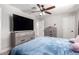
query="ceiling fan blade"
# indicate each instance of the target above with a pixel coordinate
(38, 5)
(42, 8)
(48, 12)
(34, 11)
(42, 5)
(50, 8)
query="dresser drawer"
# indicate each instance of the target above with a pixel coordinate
(21, 38)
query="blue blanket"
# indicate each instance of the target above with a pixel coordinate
(45, 46)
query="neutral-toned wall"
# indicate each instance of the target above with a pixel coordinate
(65, 23)
(4, 29)
(55, 19)
(6, 12)
(0, 29)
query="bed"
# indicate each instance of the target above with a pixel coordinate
(45, 46)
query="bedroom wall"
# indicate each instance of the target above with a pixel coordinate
(4, 29)
(54, 19)
(65, 23)
(0, 29)
(6, 12)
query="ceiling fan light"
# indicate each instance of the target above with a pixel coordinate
(41, 14)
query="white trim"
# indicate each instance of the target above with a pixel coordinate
(5, 50)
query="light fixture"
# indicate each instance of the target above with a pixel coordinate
(41, 14)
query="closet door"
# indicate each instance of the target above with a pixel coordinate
(69, 26)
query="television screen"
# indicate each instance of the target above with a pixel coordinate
(22, 23)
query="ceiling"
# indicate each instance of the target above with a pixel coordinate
(59, 9)
(24, 7)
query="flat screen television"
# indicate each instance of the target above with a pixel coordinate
(21, 23)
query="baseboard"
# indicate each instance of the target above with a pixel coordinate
(5, 51)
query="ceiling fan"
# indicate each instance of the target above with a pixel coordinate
(42, 9)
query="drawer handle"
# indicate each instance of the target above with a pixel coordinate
(22, 40)
(32, 37)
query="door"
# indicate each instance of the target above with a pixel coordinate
(69, 26)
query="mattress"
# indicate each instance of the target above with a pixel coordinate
(45, 46)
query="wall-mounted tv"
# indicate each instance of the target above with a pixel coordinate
(21, 23)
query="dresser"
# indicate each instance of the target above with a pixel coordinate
(50, 31)
(21, 37)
